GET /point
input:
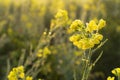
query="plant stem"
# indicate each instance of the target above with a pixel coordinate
(74, 75)
(88, 66)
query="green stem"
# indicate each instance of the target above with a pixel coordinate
(74, 75)
(88, 67)
(84, 74)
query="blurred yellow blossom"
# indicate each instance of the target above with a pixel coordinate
(77, 24)
(6, 3)
(62, 14)
(29, 25)
(110, 78)
(96, 38)
(92, 25)
(86, 6)
(40, 54)
(75, 37)
(56, 5)
(29, 78)
(116, 71)
(43, 52)
(16, 73)
(101, 24)
(61, 19)
(10, 31)
(72, 8)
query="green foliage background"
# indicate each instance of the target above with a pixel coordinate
(22, 23)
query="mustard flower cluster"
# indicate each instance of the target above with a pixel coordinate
(43, 52)
(85, 37)
(29, 78)
(62, 15)
(61, 19)
(116, 72)
(18, 73)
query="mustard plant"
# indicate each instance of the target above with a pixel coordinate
(18, 73)
(86, 37)
(37, 58)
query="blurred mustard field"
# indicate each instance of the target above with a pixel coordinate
(59, 40)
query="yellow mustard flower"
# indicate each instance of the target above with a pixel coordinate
(21, 75)
(40, 53)
(116, 71)
(110, 78)
(91, 26)
(75, 37)
(46, 51)
(96, 38)
(61, 19)
(29, 78)
(16, 73)
(62, 14)
(101, 24)
(85, 44)
(99, 36)
(12, 76)
(77, 24)
(43, 52)
(20, 69)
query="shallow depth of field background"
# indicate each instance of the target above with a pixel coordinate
(22, 23)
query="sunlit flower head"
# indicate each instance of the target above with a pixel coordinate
(86, 37)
